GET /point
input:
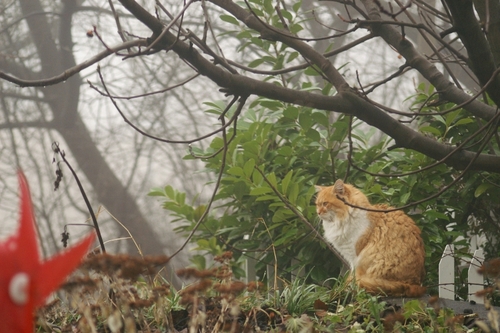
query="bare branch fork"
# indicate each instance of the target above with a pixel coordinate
(346, 101)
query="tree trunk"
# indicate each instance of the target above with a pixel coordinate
(63, 100)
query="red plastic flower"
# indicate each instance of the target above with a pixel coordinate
(26, 280)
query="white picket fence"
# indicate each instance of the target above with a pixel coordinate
(446, 272)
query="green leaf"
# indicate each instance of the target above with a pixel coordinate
(229, 19)
(286, 14)
(327, 88)
(313, 134)
(437, 215)
(170, 192)
(271, 178)
(249, 167)
(180, 198)
(260, 190)
(235, 171)
(292, 56)
(279, 63)
(278, 216)
(198, 212)
(431, 130)
(156, 192)
(257, 178)
(266, 198)
(291, 112)
(296, 28)
(238, 272)
(412, 307)
(286, 181)
(216, 144)
(312, 71)
(239, 189)
(203, 243)
(481, 189)
(258, 12)
(278, 204)
(256, 63)
(217, 107)
(199, 261)
(244, 34)
(251, 148)
(285, 151)
(305, 121)
(271, 104)
(320, 118)
(450, 117)
(294, 193)
(440, 119)
(291, 233)
(296, 6)
(268, 6)
(404, 198)
(464, 121)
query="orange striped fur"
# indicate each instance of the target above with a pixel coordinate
(385, 250)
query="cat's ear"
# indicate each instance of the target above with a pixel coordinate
(338, 187)
(318, 188)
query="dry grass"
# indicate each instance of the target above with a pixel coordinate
(120, 293)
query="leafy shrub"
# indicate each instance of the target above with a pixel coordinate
(279, 151)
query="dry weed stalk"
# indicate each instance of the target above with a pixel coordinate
(491, 270)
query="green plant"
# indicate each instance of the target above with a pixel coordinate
(298, 297)
(264, 206)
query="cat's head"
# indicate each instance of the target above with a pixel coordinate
(330, 204)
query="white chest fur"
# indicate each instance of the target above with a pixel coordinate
(344, 234)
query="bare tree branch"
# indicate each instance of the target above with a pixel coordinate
(75, 69)
(424, 67)
(346, 101)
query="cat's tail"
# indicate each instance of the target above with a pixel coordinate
(379, 286)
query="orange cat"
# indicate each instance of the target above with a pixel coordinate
(384, 250)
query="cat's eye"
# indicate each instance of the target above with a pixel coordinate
(324, 204)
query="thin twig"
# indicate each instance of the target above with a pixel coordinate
(222, 128)
(455, 150)
(302, 217)
(117, 20)
(217, 183)
(57, 150)
(439, 113)
(146, 94)
(494, 124)
(167, 28)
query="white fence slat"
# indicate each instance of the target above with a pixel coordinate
(447, 274)
(250, 263)
(476, 280)
(251, 274)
